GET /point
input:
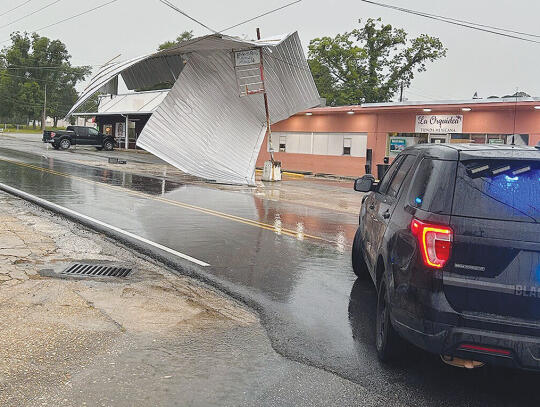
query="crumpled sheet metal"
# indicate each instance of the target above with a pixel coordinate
(204, 128)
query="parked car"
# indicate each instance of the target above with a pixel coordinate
(451, 238)
(78, 136)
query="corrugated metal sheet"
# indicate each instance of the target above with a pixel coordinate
(203, 126)
(101, 78)
(139, 102)
(151, 73)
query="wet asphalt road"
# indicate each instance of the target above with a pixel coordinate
(291, 262)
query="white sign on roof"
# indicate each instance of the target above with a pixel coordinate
(439, 124)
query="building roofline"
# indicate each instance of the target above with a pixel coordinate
(455, 102)
(439, 105)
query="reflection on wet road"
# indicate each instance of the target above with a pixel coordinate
(293, 262)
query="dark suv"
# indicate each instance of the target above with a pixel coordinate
(451, 238)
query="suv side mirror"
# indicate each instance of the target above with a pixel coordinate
(364, 184)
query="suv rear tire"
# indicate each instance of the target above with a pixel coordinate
(358, 263)
(388, 342)
(65, 144)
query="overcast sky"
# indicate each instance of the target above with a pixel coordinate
(476, 61)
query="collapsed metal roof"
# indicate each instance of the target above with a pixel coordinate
(129, 103)
(208, 125)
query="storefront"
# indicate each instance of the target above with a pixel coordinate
(342, 140)
(124, 116)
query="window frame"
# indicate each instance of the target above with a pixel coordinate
(90, 130)
(349, 139)
(284, 148)
(390, 174)
(398, 191)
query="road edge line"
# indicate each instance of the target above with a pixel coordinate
(89, 221)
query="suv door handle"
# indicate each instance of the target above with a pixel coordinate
(386, 214)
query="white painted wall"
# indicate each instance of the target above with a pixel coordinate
(321, 143)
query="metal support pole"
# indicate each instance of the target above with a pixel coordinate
(267, 110)
(44, 119)
(126, 132)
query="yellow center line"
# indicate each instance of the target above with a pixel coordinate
(250, 222)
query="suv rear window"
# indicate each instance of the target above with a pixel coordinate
(433, 186)
(498, 189)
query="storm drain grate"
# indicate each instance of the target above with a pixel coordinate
(96, 270)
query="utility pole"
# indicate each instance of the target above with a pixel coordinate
(272, 169)
(401, 93)
(268, 129)
(44, 119)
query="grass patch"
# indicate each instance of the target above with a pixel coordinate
(26, 129)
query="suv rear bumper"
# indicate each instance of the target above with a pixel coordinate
(497, 348)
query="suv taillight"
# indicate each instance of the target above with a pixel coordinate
(434, 241)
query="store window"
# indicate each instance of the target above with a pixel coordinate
(347, 143)
(282, 143)
(108, 130)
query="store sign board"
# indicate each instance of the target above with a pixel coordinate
(248, 57)
(438, 124)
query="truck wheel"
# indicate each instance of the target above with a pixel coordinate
(108, 145)
(65, 144)
(389, 343)
(358, 263)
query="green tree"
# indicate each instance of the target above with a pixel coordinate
(28, 101)
(369, 64)
(186, 35)
(29, 65)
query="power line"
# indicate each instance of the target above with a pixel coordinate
(461, 23)
(15, 8)
(70, 18)
(76, 15)
(31, 14)
(169, 4)
(239, 24)
(29, 79)
(261, 15)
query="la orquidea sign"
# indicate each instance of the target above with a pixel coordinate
(439, 124)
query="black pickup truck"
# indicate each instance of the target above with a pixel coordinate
(78, 136)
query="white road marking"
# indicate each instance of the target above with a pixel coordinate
(30, 197)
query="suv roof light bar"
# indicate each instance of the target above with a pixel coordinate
(499, 170)
(521, 170)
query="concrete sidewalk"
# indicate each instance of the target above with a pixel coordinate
(317, 192)
(154, 338)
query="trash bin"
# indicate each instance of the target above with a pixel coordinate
(381, 170)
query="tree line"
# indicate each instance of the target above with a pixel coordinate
(31, 66)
